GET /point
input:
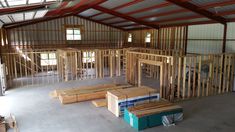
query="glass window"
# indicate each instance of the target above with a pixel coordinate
(48, 59)
(88, 57)
(73, 34)
(129, 37)
(148, 38)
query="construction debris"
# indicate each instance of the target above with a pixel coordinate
(8, 123)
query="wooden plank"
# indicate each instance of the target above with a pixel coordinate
(100, 103)
(179, 77)
(225, 73)
(189, 77)
(184, 76)
(199, 76)
(228, 73)
(221, 73)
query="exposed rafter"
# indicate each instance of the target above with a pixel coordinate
(90, 5)
(189, 23)
(164, 4)
(198, 10)
(177, 19)
(218, 4)
(125, 16)
(164, 13)
(121, 6)
(99, 22)
(207, 6)
(143, 10)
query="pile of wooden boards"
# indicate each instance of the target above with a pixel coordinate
(74, 95)
(150, 114)
(119, 99)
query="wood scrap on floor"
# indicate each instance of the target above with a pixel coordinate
(86, 93)
(152, 114)
(100, 103)
(8, 123)
(123, 98)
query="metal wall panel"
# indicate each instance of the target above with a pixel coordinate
(52, 34)
(208, 38)
(230, 47)
(205, 39)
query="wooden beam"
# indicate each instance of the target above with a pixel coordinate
(196, 9)
(224, 39)
(186, 40)
(125, 16)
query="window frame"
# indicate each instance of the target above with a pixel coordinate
(146, 37)
(73, 34)
(49, 61)
(130, 36)
(88, 57)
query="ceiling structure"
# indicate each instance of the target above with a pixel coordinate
(122, 14)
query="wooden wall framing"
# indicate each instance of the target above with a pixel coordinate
(24, 68)
(174, 38)
(183, 77)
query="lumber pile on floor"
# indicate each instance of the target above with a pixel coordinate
(151, 114)
(57, 93)
(100, 102)
(122, 98)
(85, 93)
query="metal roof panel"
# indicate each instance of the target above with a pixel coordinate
(89, 12)
(140, 5)
(114, 3)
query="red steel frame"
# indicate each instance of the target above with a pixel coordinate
(87, 4)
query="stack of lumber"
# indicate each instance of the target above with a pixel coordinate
(150, 114)
(100, 102)
(122, 98)
(74, 95)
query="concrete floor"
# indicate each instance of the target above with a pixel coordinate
(36, 112)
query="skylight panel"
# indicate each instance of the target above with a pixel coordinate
(35, 1)
(18, 17)
(5, 19)
(3, 3)
(40, 13)
(16, 2)
(29, 15)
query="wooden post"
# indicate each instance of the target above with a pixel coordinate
(199, 76)
(179, 77)
(139, 73)
(184, 76)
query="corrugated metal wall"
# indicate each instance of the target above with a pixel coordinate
(205, 38)
(165, 38)
(50, 34)
(231, 38)
(209, 38)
